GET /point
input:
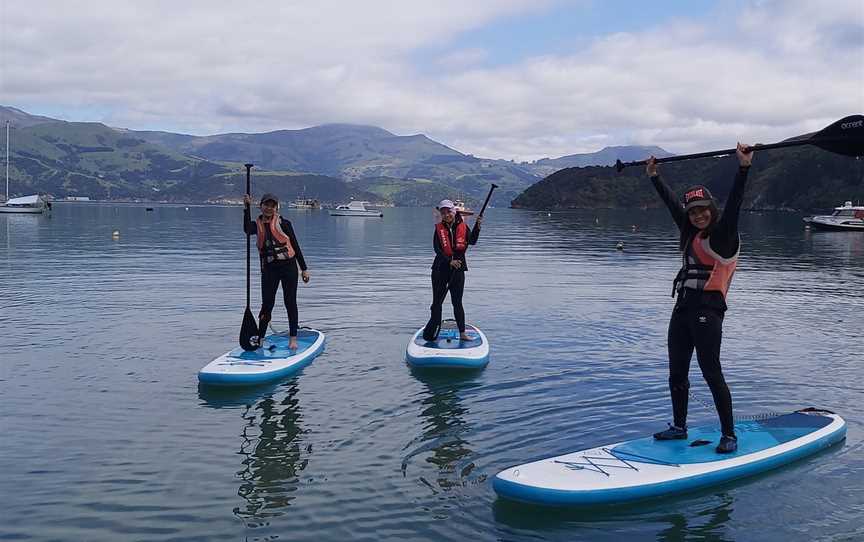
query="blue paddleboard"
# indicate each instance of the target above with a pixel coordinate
(448, 351)
(272, 361)
(645, 468)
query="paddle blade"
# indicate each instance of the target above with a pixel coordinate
(846, 136)
(248, 330)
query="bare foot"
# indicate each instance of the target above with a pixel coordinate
(464, 337)
(292, 344)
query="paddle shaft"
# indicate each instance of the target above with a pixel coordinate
(248, 238)
(489, 195)
(621, 165)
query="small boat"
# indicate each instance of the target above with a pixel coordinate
(848, 217)
(32, 205)
(304, 203)
(459, 207)
(355, 208)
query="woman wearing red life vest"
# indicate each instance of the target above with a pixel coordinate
(709, 245)
(280, 255)
(450, 241)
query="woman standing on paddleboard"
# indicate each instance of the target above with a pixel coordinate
(450, 241)
(709, 244)
(280, 255)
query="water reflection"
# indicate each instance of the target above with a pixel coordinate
(707, 524)
(272, 447)
(705, 519)
(836, 244)
(443, 441)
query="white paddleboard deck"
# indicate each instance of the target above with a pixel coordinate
(646, 468)
(448, 351)
(273, 361)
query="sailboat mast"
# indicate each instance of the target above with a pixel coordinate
(7, 160)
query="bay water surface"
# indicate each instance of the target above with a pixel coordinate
(106, 434)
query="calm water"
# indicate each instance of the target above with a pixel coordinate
(107, 436)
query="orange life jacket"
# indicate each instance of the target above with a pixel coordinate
(704, 269)
(461, 240)
(280, 247)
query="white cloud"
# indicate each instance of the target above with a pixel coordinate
(765, 72)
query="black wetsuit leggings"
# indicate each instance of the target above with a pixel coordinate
(440, 281)
(701, 328)
(271, 275)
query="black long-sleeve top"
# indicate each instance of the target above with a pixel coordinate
(723, 236)
(251, 228)
(442, 262)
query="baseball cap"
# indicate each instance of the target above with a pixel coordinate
(269, 197)
(697, 196)
(445, 203)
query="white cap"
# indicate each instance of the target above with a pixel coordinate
(445, 203)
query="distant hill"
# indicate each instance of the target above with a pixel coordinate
(90, 159)
(782, 179)
(364, 154)
(20, 119)
(355, 153)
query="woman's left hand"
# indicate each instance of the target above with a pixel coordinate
(305, 276)
(744, 158)
(478, 220)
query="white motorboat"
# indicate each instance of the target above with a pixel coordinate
(31, 205)
(355, 208)
(848, 217)
(459, 207)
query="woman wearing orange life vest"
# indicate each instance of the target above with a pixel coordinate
(450, 241)
(280, 255)
(709, 244)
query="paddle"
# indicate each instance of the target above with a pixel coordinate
(846, 137)
(489, 195)
(249, 328)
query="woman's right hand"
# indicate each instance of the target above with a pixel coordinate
(651, 166)
(455, 264)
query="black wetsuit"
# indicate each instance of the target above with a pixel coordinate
(445, 277)
(274, 272)
(697, 319)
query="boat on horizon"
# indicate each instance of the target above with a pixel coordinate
(31, 205)
(460, 207)
(847, 217)
(356, 208)
(304, 203)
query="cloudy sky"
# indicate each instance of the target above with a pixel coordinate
(519, 79)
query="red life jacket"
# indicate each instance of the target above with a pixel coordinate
(704, 269)
(281, 248)
(461, 241)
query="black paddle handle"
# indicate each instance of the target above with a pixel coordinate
(489, 195)
(248, 235)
